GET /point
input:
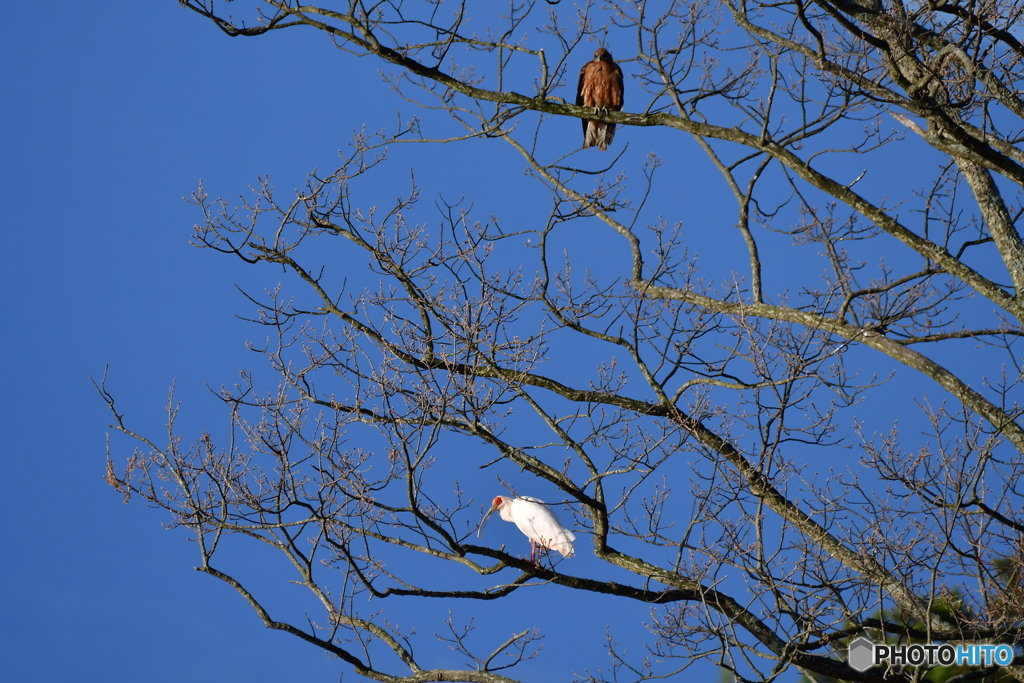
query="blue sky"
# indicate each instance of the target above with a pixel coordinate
(113, 113)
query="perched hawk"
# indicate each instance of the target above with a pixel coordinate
(600, 87)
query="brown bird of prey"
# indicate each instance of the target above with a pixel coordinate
(600, 87)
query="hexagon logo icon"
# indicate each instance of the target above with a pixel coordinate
(861, 654)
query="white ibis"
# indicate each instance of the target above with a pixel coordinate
(535, 520)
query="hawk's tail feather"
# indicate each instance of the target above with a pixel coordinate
(598, 134)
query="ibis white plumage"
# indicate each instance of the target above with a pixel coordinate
(535, 519)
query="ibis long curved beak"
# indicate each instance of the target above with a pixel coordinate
(483, 522)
